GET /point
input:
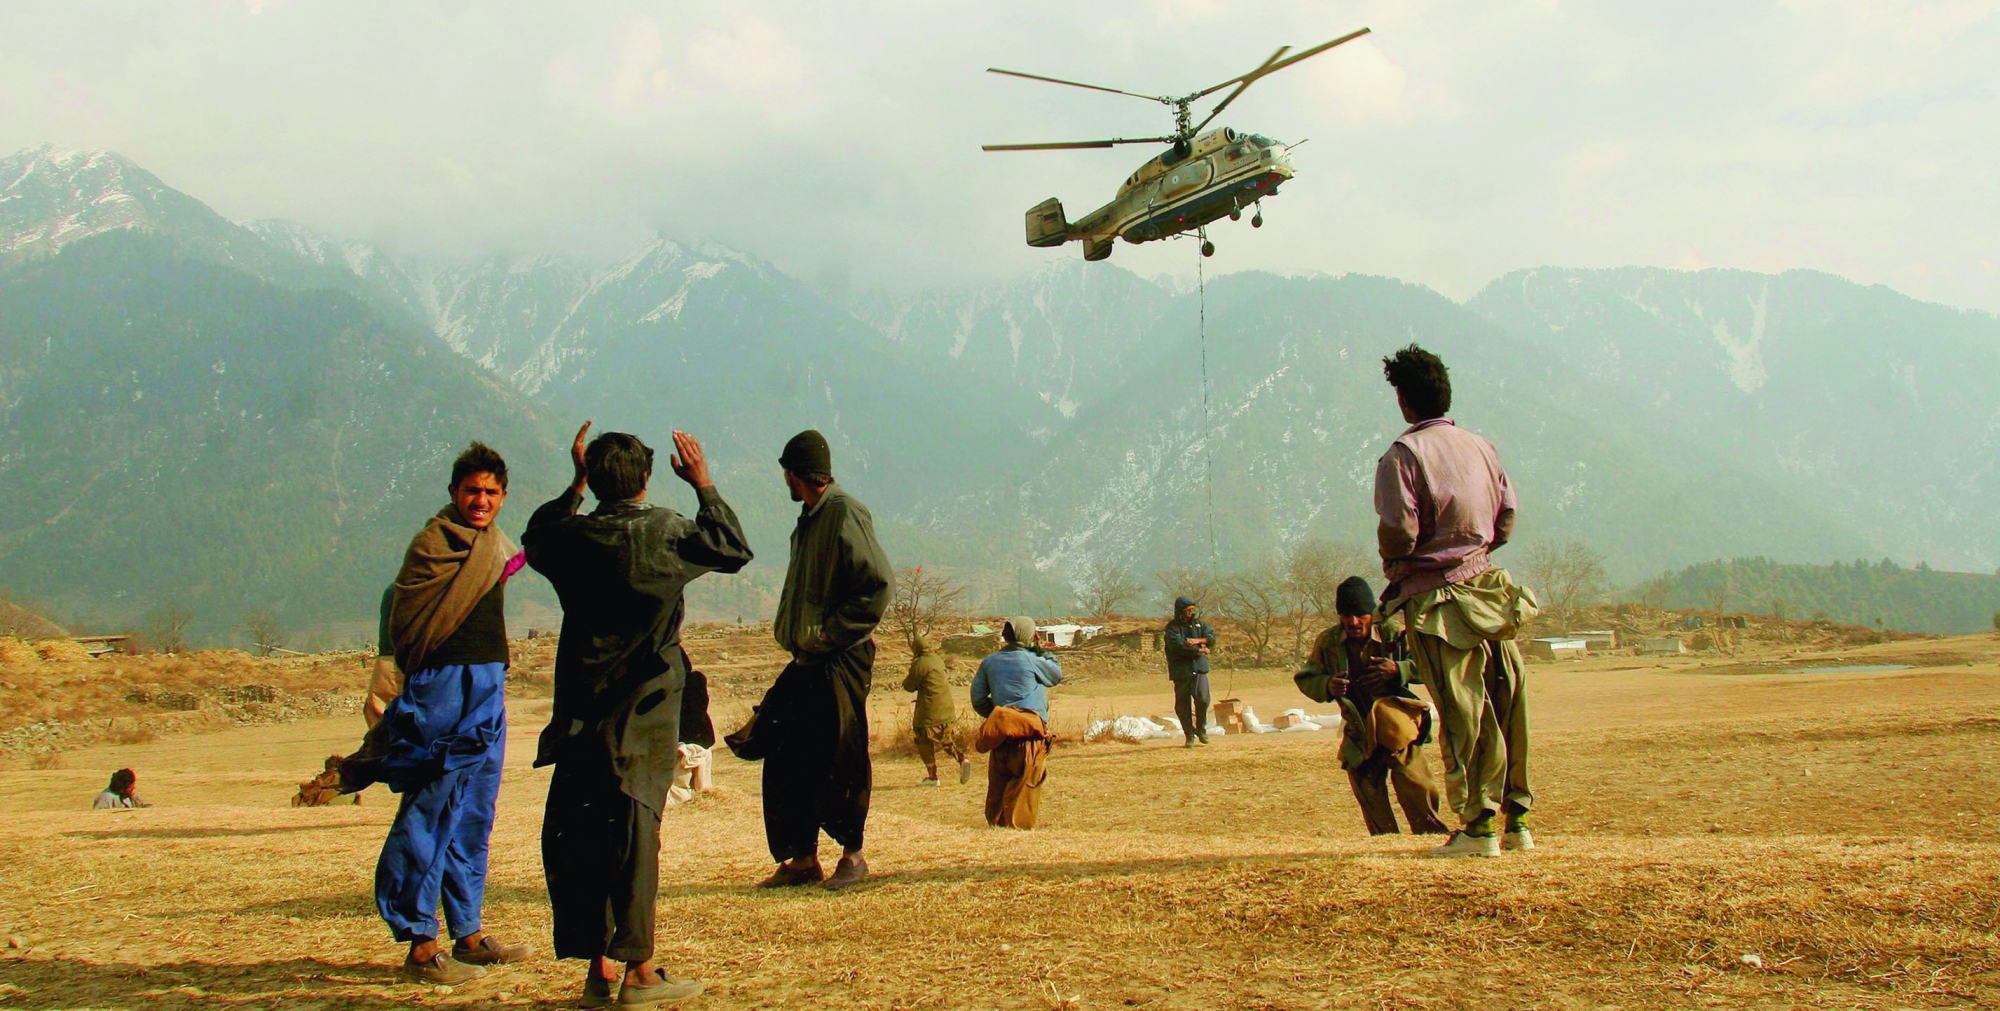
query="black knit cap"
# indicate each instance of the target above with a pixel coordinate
(807, 453)
(1354, 597)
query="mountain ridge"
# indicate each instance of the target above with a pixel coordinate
(1025, 430)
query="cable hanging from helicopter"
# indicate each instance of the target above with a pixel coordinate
(1199, 178)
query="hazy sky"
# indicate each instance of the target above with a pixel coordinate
(1460, 141)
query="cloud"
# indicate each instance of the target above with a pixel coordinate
(751, 57)
(642, 76)
(1457, 142)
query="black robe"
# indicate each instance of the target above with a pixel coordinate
(619, 572)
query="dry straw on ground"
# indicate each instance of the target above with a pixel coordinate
(1837, 829)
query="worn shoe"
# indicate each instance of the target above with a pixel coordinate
(787, 876)
(441, 969)
(489, 952)
(596, 992)
(1204, 740)
(1465, 844)
(652, 995)
(1189, 743)
(964, 772)
(931, 781)
(848, 872)
(1517, 840)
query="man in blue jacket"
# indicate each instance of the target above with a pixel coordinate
(1188, 641)
(1011, 690)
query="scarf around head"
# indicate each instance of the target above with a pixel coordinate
(446, 571)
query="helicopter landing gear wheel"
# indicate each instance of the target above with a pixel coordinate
(1257, 219)
(1207, 248)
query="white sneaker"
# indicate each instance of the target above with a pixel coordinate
(928, 782)
(1463, 845)
(1515, 842)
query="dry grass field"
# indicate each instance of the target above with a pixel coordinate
(1714, 832)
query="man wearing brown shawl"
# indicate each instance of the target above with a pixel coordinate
(440, 740)
(614, 734)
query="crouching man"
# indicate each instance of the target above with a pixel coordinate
(1384, 726)
(1011, 690)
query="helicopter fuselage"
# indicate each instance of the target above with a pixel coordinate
(1218, 174)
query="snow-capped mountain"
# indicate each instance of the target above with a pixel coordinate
(1063, 334)
(1058, 419)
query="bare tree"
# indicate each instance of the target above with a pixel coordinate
(1655, 592)
(1200, 585)
(922, 601)
(1256, 600)
(262, 628)
(1106, 587)
(1313, 572)
(1722, 593)
(167, 628)
(1567, 575)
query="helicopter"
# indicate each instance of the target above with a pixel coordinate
(1199, 179)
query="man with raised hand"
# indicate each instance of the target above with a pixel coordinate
(818, 776)
(1444, 505)
(614, 733)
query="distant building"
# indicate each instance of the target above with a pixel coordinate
(1557, 648)
(1066, 635)
(1670, 646)
(1598, 640)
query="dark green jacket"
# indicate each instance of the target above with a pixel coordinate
(838, 583)
(1328, 661)
(927, 679)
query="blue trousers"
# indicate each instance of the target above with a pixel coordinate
(436, 850)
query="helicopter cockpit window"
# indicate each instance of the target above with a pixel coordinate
(1261, 141)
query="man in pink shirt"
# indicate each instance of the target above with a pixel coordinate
(1445, 504)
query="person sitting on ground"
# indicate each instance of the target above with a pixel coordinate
(1189, 640)
(1011, 690)
(323, 789)
(934, 723)
(1384, 726)
(119, 794)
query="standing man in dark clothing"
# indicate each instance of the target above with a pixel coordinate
(1383, 725)
(614, 733)
(1187, 644)
(838, 585)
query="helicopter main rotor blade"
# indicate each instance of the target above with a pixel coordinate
(1248, 79)
(1270, 68)
(1243, 78)
(1077, 84)
(1315, 51)
(1069, 145)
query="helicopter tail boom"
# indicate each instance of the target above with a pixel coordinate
(1046, 224)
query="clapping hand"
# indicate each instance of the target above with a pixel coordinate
(576, 449)
(688, 462)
